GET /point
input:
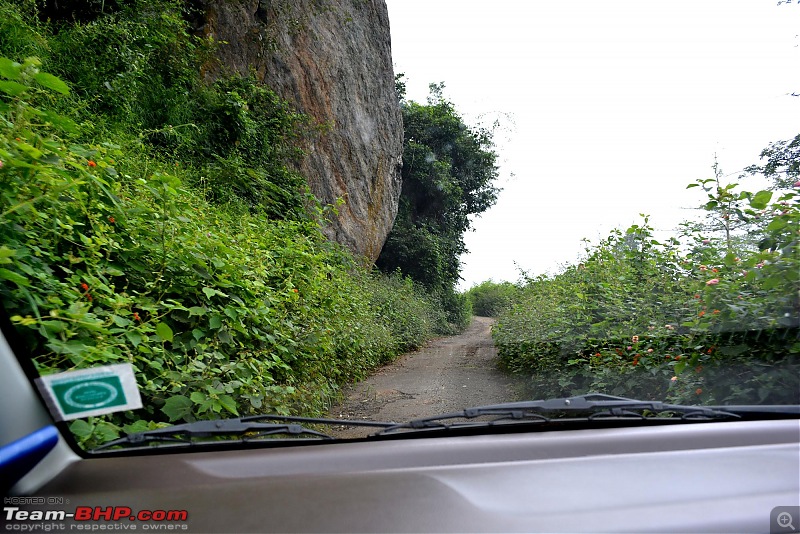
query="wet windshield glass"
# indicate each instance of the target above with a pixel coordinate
(391, 210)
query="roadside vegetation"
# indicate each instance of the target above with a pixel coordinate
(712, 316)
(449, 173)
(490, 299)
(151, 218)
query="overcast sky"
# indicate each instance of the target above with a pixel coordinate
(607, 108)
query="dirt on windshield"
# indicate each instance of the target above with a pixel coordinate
(445, 375)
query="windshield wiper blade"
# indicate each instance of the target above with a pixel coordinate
(251, 428)
(592, 406)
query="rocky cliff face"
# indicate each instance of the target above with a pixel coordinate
(332, 59)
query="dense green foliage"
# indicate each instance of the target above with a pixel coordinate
(157, 222)
(136, 74)
(489, 298)
(697, 319)
(448, 174)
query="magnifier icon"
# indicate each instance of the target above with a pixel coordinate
(784, 520)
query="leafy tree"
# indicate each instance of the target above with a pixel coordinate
(783, 163)
(448, 174)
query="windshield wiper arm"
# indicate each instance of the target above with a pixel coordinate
(594, 405)
(247, 428)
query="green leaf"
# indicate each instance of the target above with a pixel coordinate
(120, 321)
(228, 403)
(164, 331)
(31, 151)
(12, 88)
(225, 337)
(776, 225)
(106, 431)
(215, 321)
(196, 310)
(51, 82)
(9, 69)
(177, 407)
(761, 199)
(81, 428)
(53, 327)
(134, 337)
(59, 121)
(210, 292)
(6, 253)
(113, 271)
(197, 397)
(134, 428)
(14, 277)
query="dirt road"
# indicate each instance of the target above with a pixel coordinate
(447, 374)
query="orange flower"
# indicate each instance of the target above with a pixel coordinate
(112, 220)
(716, 312)
(295, 290)
(702, 313)
(85, 286)
(91, 163)
(698, 391)
(136, 316)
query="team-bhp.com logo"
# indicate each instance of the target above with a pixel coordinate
(90, 517)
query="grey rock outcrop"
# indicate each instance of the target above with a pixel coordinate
(332, 60)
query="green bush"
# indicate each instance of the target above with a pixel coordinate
(20, 34)
(110, 255)
(457, 310)
(136, 70)
(489, 298)
(132, 68)
(693, 322)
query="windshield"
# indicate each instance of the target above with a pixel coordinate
(390, 211)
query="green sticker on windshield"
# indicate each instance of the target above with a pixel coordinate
(90, 392)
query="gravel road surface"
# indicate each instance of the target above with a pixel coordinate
(447, 374)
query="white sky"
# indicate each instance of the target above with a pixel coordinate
(609, 108)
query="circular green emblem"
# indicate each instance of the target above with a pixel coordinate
(90, 395)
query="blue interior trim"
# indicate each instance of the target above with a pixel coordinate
(19, 457)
